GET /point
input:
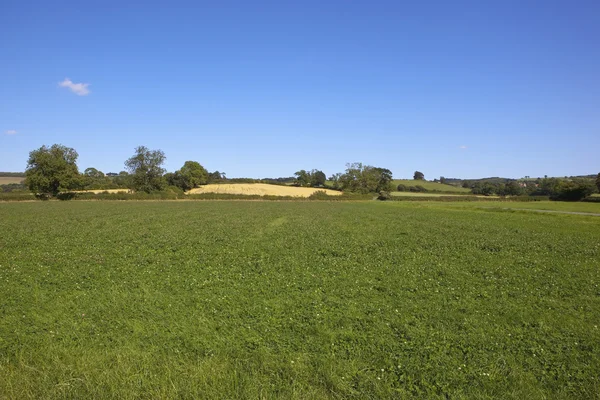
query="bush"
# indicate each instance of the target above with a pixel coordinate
(383, 195)
(320, 195)
(402, 188)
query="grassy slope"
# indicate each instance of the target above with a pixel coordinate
(430, 185)
(296, 300)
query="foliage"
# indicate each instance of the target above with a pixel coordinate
(573, 190)
(190, 176)
(597, 181)
(365, 179)
(314, 178)
(418, 176)
(215, 177)
(297, 300)
(145, 167)
(13, 187)
(52, 170)
(335, 181)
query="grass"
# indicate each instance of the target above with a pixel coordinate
(429, 194)
(546, 205)
(430, 185)
(296, 300)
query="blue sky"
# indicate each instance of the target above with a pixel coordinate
(265, 88)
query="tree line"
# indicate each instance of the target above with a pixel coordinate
(52, 170)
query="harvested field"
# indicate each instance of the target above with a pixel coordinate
(261, 189)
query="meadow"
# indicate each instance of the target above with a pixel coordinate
(233, 299)
(429, 185)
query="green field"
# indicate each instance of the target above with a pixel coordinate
(430, 186)
(430, 194)
(231, 299)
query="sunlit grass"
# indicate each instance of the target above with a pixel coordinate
(296, 300)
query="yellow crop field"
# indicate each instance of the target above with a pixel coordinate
(261, 189)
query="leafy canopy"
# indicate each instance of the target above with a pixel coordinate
(145, 168)
(52, 170)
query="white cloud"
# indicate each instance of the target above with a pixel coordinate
(11, 132)
(80, 89)
(462, 147)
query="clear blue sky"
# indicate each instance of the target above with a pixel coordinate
(265, 88)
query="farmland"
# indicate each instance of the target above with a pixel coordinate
(7, 180)
(260, 189)
(220, 299)
(428, 185)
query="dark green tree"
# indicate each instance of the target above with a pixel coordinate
(145, 168)
(190, 176)
(52, 170)
(598, 182)
(302, 178)
(365, 179)
(418, 176)
(317, 178)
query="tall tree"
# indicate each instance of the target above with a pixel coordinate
(317, 178)
(598, 181)
(419, 176)
(145, 168)
(52, 170)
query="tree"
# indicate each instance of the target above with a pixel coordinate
(598, 181)
(317, 178)
(52, 170)
(419, 176)
(302, 178)
(365, 178)
(335, 180)
(573, 190)
(512, 188)
(190, 176)
(145, 169)
(216, 176)
(93, 178)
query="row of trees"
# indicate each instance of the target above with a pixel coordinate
(555, 188)
(313, 178)
(53, 169)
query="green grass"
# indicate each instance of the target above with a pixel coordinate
(230, 299)
(547, 205)
(430, 185)
(430, 194)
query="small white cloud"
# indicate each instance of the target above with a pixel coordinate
(462, 147)
(11, 132)
(80, 89)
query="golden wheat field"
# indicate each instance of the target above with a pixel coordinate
(261, 189)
